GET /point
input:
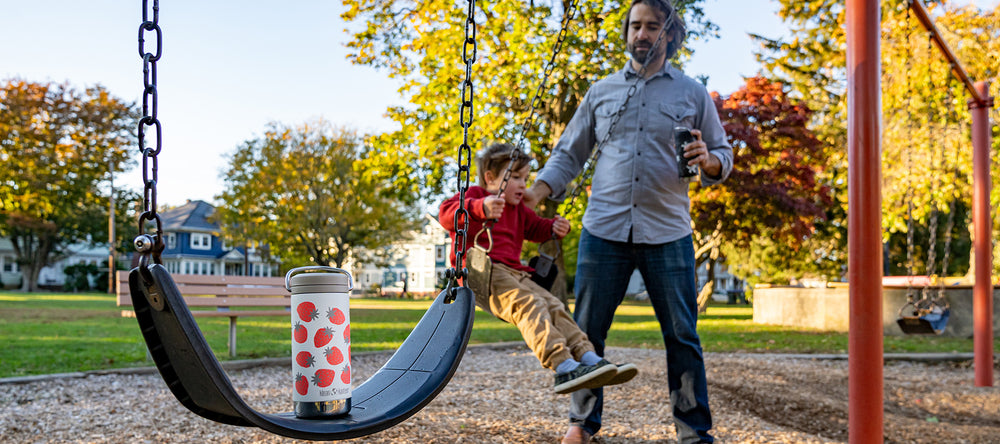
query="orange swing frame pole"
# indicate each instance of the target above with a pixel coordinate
(982, 292)
(864, 222)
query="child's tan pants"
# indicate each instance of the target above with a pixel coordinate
(550, 332)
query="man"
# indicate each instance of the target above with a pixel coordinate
(638, 216)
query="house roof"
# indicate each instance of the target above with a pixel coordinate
(196, 215)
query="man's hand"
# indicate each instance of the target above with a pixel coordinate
(493, 206)
(697, 154)
(538, 191)
(560, 226)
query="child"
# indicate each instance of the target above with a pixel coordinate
(547, 328)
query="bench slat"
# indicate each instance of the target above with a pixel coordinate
(199, 301)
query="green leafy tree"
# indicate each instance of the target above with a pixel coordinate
(58, 148)
(923, 110)
(314, 194)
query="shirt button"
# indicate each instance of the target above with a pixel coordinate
(636, 179)
(635, 205)
(640, 128)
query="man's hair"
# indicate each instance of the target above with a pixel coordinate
(674, 24)
(495, 159)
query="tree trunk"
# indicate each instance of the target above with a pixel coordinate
(705, 295)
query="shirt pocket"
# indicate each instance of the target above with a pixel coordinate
(675, 115)
(678, 114)
(603, 116)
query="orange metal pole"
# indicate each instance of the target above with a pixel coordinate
(864, 110)
(982, 292)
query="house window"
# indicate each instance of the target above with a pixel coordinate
(201, 241)
(171, 240)
(439, 252)
(9, 264)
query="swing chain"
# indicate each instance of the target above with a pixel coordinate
(641, 75)
(910, 293)
(950, 224)
(933, 216)
(150, 165)
(464, 157)
(536, 102)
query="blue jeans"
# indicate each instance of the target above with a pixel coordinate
(602, 276)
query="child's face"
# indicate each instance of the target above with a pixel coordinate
(516, 185)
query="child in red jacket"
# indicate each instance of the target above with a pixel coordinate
(547, 328)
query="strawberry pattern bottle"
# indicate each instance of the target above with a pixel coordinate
(321, 341)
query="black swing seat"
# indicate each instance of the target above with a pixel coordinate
(412, 377)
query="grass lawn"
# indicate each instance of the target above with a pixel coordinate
(45, 333)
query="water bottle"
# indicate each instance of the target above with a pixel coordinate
(683, 136)
(321, 341)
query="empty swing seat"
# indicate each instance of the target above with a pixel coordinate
(412, 377)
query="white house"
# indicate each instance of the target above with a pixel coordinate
(51, 275)
(419, 265)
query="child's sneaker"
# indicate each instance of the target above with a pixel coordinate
(625, 373)
(585, 376)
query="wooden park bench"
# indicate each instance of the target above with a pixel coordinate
(265, 296)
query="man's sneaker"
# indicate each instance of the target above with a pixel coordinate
(585, 376)
(625, 372)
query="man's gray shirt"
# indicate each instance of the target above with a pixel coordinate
(636, 185)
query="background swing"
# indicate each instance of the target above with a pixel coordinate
(412, 377)
(929, 313)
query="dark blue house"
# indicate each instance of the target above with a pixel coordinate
(193, 245)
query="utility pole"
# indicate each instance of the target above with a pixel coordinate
(111, 233)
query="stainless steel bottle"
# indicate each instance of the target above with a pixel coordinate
(321, 341)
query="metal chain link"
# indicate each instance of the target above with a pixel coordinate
(909, 172)
(464, 155)
(150, 164)
(933, 216)
(950, 224)
(536, 101)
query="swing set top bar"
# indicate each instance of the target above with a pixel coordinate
(925, 19)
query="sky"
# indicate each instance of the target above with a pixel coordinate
(230, 68)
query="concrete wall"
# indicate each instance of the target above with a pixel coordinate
(828, 308)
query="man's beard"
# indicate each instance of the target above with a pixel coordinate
(640, 55)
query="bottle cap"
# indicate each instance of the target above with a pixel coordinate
(320, 283)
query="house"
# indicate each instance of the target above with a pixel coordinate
(419, 265)
(10, 273)
(725, 283)
(193, 245)
(51, 276)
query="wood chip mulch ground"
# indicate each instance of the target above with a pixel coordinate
(501, 395)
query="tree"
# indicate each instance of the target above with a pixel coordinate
(918, 112)
(773, 199)
(313, 194)
(421, 43)
(58, 146)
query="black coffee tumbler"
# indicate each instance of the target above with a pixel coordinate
(683, 136)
